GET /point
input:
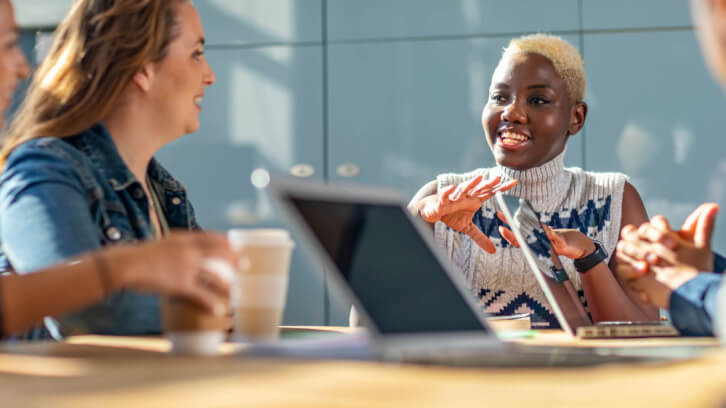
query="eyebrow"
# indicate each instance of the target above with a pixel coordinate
(539, 86)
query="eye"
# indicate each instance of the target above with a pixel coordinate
(498, 98)
(537, 100)
(198, 54)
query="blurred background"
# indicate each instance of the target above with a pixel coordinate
(390, 92)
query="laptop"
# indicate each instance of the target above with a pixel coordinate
(558, 289)
(415, 305)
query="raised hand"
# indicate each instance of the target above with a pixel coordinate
(456, 205)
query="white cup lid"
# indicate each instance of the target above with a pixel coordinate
(259, 236)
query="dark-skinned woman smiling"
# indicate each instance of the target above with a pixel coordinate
(536, 104)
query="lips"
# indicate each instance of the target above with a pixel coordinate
(512, 140)
(198, 101)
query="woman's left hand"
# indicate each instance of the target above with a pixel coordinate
(565, 242)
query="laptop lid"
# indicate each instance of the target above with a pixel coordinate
(382, 259)
(543, 262)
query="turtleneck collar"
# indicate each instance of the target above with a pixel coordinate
(542, 185)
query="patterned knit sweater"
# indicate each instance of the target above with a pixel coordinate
(563, 198)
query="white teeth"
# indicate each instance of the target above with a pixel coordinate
(198, 101)
(511, 138)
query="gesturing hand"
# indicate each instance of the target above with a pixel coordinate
(654, 252)
(566, 242)
(455, 206)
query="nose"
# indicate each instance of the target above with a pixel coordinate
(209, 77)
(23, 69)
(514, 112)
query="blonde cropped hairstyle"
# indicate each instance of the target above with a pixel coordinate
(97, 50)
(564, 57)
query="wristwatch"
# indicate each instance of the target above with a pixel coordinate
(588, 262)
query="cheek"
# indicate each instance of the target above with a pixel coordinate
(489, 119)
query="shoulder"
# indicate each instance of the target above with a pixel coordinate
(46, 159)
(599, 180)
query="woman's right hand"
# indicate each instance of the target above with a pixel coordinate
(175, 265)
(456, 205)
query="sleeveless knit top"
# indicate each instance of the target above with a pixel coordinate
(564, 198)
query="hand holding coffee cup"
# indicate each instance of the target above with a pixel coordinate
(193, 329)
(263, 275)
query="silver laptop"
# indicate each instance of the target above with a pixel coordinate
(415, 306)
(558, 289)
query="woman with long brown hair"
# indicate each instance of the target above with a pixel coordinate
(122, 79)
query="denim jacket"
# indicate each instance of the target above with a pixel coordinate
(63, 197)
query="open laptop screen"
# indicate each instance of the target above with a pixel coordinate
(388, 266)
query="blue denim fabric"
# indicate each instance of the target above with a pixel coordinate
(693, 304)
(63, 197)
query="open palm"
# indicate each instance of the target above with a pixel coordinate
(456, 205)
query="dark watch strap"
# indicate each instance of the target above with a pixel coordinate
(588, 262)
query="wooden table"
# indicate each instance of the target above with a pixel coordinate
(99, 371)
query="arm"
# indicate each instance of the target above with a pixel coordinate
(607, 299)
(692, 305)
(178, 263)
(427, 192)
(44, 215)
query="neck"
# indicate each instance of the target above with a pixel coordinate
(538, 184)
(136, 135)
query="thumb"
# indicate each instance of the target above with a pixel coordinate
(705, 225)
(482, 240)
(688, 229)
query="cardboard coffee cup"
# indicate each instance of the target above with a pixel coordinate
(263, 276)
(193, 329)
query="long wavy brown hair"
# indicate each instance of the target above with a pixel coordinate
(97, 50)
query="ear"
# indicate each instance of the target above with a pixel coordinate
(578, 113)
(144, 77)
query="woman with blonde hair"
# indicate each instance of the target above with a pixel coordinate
(122, 79)
(536, 103)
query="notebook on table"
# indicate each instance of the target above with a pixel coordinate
(558, 289)
(415, 305)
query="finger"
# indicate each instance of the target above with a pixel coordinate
(509, 236)
(217, 279)
(627, 273)
(644, 297)
(688, 229)
(502, 218)
(629, 232)
(705, 226)
(634, 250)
(464, 188)
(446, 194)
(655, 232)
(482, 240)
(482, 186)
(207, 299)
(492, 188)
(661, 222)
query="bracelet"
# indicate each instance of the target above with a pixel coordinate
(588, 262)
(103, 273)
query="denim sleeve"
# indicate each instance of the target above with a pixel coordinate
(693, 304)
(44, 214)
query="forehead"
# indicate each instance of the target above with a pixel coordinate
(7, 18)
(524, 69)
(189, 22)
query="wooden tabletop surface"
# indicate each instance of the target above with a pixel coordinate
(103, 371)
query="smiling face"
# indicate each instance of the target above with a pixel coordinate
(181, 77)
(13, 66)
(529, 115)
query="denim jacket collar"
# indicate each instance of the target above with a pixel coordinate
(97, 144)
